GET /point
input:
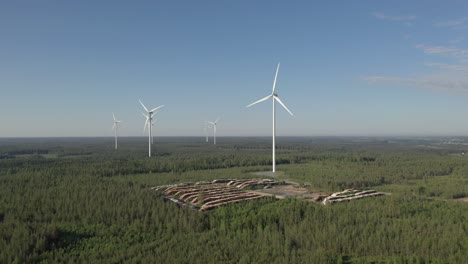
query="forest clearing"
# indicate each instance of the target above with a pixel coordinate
(209, 195)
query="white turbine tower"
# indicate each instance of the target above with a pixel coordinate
(152, 136)
(149, 122)
(274, 97)
(114, 127)
(214, 129)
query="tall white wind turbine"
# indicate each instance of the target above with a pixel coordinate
(214, 128)
(274, 97)
(114, 127)
(149, 122)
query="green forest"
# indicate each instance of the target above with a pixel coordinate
(77, 200)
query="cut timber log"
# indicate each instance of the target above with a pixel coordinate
(349, 195)
(218, 203)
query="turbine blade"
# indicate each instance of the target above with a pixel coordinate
(261, 100)
(113, 116)
(113, 127)
(146, 124)
(281, 103)
(145, 115)
(211, 122)
(143, 105)
(274, 82)
(217, 119)
(156, 108)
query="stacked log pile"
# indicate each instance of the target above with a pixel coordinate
(348, 195)
(206, 196)
(235, 199)
(243, 183)
(164, 187)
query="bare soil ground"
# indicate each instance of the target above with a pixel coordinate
(462, 199)
(290, 190)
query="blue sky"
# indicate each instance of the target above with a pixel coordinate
(347, 67)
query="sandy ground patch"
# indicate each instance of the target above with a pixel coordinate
(289, 191)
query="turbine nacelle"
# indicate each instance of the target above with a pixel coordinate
(214, 122)
(116, 122)
(150, 112)
(273, 95)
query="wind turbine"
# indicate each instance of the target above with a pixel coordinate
(152, 124)
(214, 128)
(149, 122)
(274, 97)
(114, 127)
(206, 131)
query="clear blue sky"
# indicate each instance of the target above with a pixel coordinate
(347, 67)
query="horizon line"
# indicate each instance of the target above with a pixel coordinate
(258, 136)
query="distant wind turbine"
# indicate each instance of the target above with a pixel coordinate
(152, 124)
(149, 122)
(214, 129)
(274, 97)
(114, 127)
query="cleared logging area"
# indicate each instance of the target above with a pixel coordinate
(208, 195)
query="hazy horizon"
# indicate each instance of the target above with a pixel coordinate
(259, 136)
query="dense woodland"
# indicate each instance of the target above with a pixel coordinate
(79, 200)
